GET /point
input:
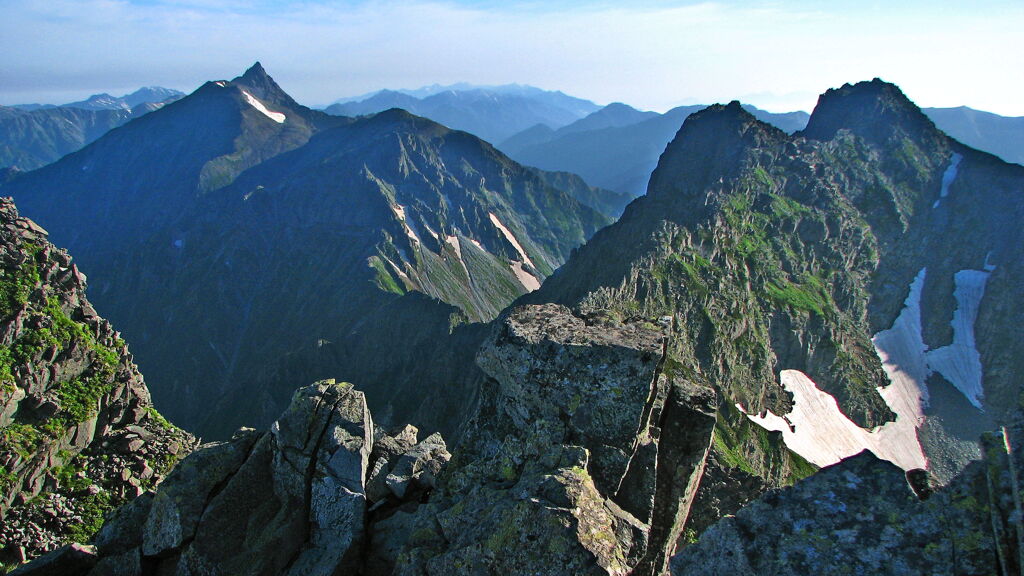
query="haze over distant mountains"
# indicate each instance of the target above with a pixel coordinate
(104, 101)
(614, 147)
(491, 112)
(33, 135)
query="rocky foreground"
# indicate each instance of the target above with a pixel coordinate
(583, 458)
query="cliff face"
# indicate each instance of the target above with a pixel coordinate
(79, 433)
(572, 464)
(585, 454)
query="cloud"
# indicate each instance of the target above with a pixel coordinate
(653, 55)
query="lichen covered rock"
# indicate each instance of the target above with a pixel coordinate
(583, 458)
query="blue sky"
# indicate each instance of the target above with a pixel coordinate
(652, 54)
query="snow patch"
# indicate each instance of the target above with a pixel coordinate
(221, 83)
(902, 352)
(275, 116)
(960, 362)
(410, 227)
(817, 430)
(395, 267)
(949, 176)
(529, 281)
(453, 241)
(511, 238)
(431, 231)
(988, 266)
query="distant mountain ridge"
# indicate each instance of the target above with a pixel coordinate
(492, 113)
(620, 154)
(104, 101)
(999, 135)
(33, 135)
(618, 146)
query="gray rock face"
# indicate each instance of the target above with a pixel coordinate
(288, 501)
(583, 459)
(70, 559)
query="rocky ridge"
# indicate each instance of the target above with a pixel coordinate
(783, 258)
(79, 432)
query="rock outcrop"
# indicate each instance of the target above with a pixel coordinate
(583, 458)
(78, 432)
(861, 517)
(292, 500)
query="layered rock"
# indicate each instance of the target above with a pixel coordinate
(79, 432)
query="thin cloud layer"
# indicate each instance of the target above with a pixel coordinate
(774, 54)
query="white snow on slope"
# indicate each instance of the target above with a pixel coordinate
(453, 241)
(396, 268)
(511, 238)
(431, 231)
(529, 281)
(817, 430)
(901, 350)
(948, 176)
(275, 116)
(410, 228)
(960, 362)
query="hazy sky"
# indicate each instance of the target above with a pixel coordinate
(652, 54)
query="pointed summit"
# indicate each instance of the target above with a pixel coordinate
(711, 144)
(255, 71)
(256, 81)
(873, 110)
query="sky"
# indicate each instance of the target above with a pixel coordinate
(651, 54)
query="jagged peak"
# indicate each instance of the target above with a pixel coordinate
(710, 145)
(871, 109)
(262, 86)
(255, 71)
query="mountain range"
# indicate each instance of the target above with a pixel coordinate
(235, 228)
(780, 358)
(34, 135)
(104, 101)
(618, 146)
(492, 113)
